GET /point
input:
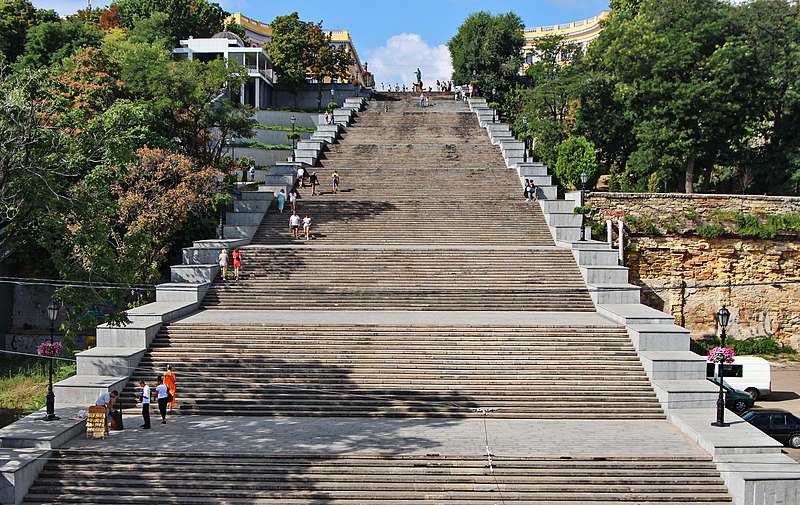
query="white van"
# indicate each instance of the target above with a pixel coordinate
(746, 373)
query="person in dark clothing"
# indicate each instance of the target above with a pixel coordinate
(145, 404)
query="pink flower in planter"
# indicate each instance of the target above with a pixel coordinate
(48, 349)
(721, 355)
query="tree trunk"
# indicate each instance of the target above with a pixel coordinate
(689, 188)
(707, 178)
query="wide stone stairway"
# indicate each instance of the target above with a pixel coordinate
(430, 344)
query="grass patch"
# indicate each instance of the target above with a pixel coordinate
(285, 128)
(259, 145)
(23, 382)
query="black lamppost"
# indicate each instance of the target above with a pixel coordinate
(723, 316)
(52, 314)
(294, 141)
(494, 111)
(584, 178)
(333, 94)
(525, 139)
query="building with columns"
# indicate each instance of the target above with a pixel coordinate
(577, 32)
(258, 91)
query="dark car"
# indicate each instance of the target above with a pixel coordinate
(781, 425)
(735, 400)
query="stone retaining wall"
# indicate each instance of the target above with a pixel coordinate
(691, 277)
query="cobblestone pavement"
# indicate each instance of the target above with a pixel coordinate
(397, 436)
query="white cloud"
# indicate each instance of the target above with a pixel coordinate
(399, 58)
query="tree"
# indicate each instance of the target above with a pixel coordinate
(325, 59)
(487, 50)
(289, 50)
(32, 169)
(576, 155)
(195, 18)
(53, 41)
(16, 17)
(118, 228)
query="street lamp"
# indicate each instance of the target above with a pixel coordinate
(494, 111)
(52, 314)
(723, 316)
(584, 178)
(294, 145)
(525, 139)
(333, 94)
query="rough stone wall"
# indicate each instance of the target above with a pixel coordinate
(691, 277)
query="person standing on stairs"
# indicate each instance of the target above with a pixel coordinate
(163, 398)
(307, 226)
(223, 263)
(314, 183)
(281, 200)
(335, 181)
(293, 199)
(169, 377)
(237, 265)
(294, 224)
(532, 191)
(145, 404)
(422, 99)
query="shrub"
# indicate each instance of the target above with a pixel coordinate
(332, 105)
(765, 346)
(654, 183)
(710, 231)
(749, 226)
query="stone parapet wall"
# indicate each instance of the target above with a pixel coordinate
(658, 204)
(691, 277)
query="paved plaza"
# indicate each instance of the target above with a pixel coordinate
(325, 435)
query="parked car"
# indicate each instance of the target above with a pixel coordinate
(748, 373)
(781, 425)
(735, 400)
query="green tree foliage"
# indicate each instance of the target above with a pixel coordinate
(196, 18)
(325, 59)
(551, 97)
(301, 50)
(487, 50)
(576, 155)
(288, 49)
(700, 92)
(32, 171)
(16, 17)
(53, 41)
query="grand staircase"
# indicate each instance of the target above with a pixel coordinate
(428, 222)
(266, 478)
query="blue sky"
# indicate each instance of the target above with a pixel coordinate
(395, 36)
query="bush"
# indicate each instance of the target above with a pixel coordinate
(749, 226)
(710, 231)
(332, 105)
(654, 183)
(765, 346)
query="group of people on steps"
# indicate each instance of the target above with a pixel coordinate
(165, 396)
(295, 221)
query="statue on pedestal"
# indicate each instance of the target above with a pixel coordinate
(419, 76)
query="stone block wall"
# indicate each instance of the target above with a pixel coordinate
(691, 277)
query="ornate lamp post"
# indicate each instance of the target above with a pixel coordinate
(52, 314)
(584, 178)
(525, 139)
(494, 112)
(723, 316)
(333, 94)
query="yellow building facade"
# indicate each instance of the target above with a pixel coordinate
(577, 32)
(260, 33)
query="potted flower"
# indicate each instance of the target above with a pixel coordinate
(50, 349)
(721, 355)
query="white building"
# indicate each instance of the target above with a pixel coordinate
(258, 91)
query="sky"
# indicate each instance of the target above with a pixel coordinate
(394, 36)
